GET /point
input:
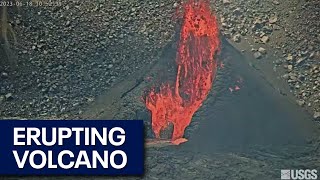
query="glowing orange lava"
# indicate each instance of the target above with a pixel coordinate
(196, 68)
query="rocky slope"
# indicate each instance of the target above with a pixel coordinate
(287, 29)
(70, 53)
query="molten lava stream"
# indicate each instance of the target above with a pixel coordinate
(196, 68)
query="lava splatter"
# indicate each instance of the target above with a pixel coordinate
(199, 41)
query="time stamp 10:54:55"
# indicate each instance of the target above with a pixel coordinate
(30, 3)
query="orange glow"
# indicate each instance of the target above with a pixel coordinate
(177, 102)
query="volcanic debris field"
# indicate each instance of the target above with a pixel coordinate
(94, 60)
(287, 31)
(70, 54)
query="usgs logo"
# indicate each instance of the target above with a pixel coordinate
(299, 174)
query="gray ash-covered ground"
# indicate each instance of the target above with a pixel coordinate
(287, 29)
(70, 54)
(183, 162)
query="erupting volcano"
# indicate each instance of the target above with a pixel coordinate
(196, 68)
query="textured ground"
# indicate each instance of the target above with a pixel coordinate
(287, 31)
(71, 54)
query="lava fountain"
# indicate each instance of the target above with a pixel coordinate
(196, 68)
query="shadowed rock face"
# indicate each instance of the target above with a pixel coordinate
(255, 115)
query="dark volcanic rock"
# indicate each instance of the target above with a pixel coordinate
(290, 27)
(71, 53)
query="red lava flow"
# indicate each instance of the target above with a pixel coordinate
(196, 68)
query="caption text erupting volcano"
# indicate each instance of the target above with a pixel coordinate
(196, 68)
